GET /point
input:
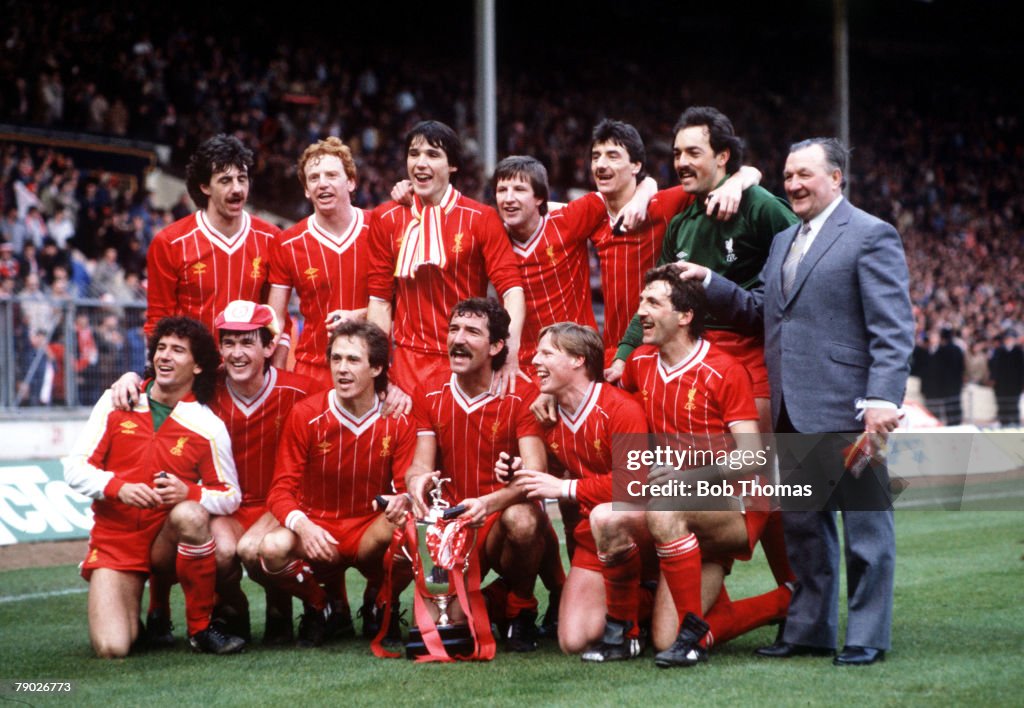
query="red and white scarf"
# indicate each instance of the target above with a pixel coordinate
(423, 242)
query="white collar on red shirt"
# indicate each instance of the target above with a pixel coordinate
(356, 425)
(470, 404)
(228, 244)
(338, 243)
(574, 419)
(248, 406)
(695, 357)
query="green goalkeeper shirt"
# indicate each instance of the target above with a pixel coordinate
(735, 249)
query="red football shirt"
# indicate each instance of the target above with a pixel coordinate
(329, 273)
(255, 425)
(331, 465)
(119, 447)
(195, 271)
(702, 395)
(555, 270)
(626, 258)
(471, 432)
(584, 442)
(477, 250)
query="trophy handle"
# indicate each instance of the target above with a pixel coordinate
(453, 512)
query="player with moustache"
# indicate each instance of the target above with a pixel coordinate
(467, 426)
(156, 473)
(617, 157)
(707, 153)
(252, 398)
(200, 263)
(338, 452)
(600, 612)
(697, 397)
(549, 242)
(428, 257)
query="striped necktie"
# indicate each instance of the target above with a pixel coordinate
(793, 258)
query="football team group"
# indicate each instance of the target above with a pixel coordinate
(405, 378)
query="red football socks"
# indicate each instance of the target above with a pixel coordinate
(622, 585)
(197, 573)
(297, 578)
(680, 564)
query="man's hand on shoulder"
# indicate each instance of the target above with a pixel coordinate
(124, 393)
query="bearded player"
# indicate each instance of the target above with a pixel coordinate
(696, 397)
(156, 473)
(471, 427)
(337, 453)
(600, 612)
(199, 264)
(427, 257)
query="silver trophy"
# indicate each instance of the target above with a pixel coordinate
(440, 595)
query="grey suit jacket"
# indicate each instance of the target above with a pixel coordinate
(846, 329)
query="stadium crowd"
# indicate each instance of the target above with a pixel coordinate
(943, 174)
(405, 367)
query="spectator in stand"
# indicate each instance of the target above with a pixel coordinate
(107, 276)
(976, 364)
(9, 265)
(13, 229)
(35, 226)
(87, 358)
(38, 313)
(51, 258)
(1007, 370)
(113, 351)
(61, 227)
(39, 371)
(29, 260)
(944, 378)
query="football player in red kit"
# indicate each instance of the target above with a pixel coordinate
(600, 611)
(426, 258)
(337, 453)
(324, 257)
(472, 426)
(199, 264)
(156, 473)
(617, 158)
(697, 397)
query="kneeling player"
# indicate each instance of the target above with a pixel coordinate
(160, 468)
(252, 398)
(472, 426)
(696, 397)
(337, 452)
(600, 610)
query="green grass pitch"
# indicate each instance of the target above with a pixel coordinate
(958, 640)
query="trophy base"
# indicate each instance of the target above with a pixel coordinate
(456, 639)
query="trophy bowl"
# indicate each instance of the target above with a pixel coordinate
(436, 589)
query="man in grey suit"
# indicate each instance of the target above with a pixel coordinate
(838, 330)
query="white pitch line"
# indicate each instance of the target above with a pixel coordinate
(948, 500)
(41, 595)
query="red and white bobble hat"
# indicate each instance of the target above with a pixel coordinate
(244, 316)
